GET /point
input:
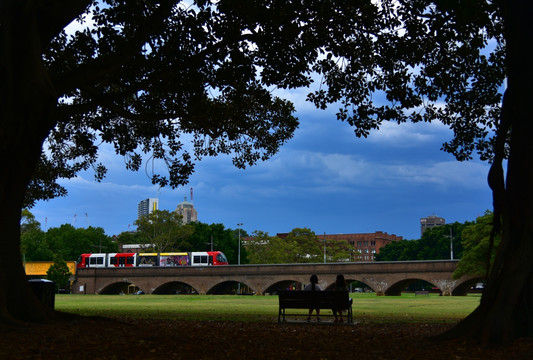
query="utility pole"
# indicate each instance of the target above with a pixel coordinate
(324, 247)
(239, 253)
(210, 243)
(451, 243)
(239, 256)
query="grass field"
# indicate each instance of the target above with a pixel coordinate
(367, 307)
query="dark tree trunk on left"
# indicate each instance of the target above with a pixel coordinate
(27, 116)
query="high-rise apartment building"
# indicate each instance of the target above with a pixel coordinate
(429, 222)
(187, 210)
(147, 206)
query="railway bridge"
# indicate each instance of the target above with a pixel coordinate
(384, 278)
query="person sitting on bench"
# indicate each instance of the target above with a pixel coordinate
(313, 286)
(340, 285)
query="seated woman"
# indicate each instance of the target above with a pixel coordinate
(340, 285)
(313, 286)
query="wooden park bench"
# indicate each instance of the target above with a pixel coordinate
(314, 300)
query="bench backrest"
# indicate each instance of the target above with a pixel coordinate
(314, 299)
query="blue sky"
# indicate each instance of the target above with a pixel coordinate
(324, 178)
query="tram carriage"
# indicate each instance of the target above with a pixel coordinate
(198, 258)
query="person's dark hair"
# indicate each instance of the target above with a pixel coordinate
(314, 280)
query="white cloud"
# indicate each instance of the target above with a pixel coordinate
(409, 134)
(86, 183)
(305, 172)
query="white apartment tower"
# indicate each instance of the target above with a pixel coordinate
(147, 207)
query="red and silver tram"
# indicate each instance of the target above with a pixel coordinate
(198, 258)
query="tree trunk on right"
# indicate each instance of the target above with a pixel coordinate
(506, 309)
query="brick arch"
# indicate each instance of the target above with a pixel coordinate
(465, 283)
(268, 285)
(349, 278)
(170, 286)
(113, 288)
(260, 278)
(397, 288)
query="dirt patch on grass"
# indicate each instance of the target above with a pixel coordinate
(91, 338)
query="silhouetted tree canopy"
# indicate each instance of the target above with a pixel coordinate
(179, 82)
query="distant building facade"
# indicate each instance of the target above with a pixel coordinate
(187, 210)
(135, 248)
(147, 207)
(429, 222)
(366, 245)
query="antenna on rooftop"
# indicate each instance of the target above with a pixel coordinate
(74, 219)
(191, 194)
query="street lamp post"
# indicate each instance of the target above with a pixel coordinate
(451, 243)
(239, 256)
(239, 253)
(324, 247)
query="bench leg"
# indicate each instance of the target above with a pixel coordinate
(280, 314)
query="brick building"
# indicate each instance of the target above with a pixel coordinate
(366, 245)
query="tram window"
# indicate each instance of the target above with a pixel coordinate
(114, 261)
(129, 260)
(200, 259)
(96, 260)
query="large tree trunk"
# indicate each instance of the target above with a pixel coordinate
(26, 117)
(506, 309)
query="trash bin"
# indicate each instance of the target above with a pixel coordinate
(44, 290)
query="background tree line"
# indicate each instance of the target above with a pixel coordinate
(164, 231)
(301, 245)
(67, 241)
(470, 245)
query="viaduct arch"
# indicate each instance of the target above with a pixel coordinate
(384, 278)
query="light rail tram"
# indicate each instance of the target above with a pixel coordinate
(110, 260)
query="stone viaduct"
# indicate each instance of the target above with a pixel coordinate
(384, 278)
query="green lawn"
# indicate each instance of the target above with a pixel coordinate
(367, 307)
